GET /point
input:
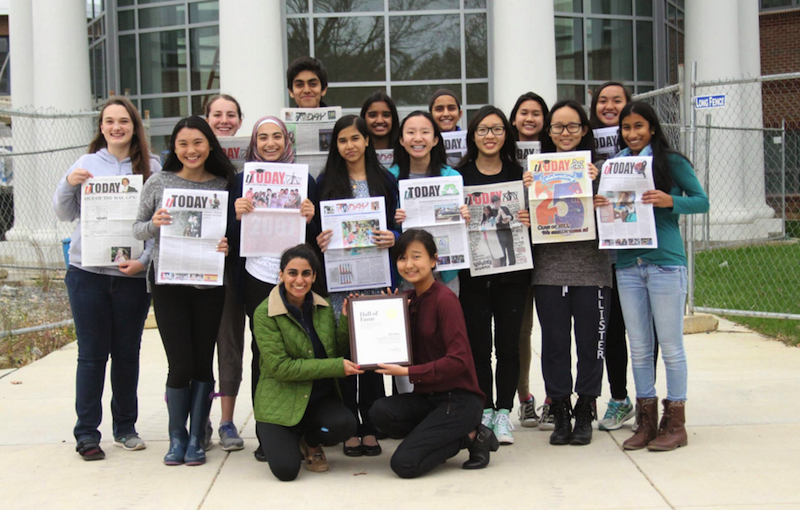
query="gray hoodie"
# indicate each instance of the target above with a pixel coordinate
(67, 205)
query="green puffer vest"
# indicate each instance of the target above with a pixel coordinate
(288, 366)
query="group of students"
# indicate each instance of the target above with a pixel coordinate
(306, 392)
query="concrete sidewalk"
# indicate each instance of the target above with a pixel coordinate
(742, 418)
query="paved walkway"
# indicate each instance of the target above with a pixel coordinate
(744, 449)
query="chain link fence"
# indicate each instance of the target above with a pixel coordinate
(36, 149)
(744, 255)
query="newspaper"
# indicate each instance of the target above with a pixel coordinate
(235, 147)
(188, 246)
(108, 209)
(605, 140)
(455, 145)
(561, 199)
(433, 204)
(352, 261)
(310, 130)
(277, 190)
(385, 157)
(626, 222)
(498, 242)
(526, 148)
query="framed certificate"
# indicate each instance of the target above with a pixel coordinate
(379, 330)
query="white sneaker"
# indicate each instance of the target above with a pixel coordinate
(503, 427)
(527, 413)
(546, 420)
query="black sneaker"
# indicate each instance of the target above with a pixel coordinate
(585, 412)
(90, 450)
(561, 410)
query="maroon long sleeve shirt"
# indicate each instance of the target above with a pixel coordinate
(442, 355)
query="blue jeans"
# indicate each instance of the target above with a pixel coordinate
(109, 313)
(655, 294)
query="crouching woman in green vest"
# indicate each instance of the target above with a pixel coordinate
(298, 405)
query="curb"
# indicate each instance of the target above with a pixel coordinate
(699, 323)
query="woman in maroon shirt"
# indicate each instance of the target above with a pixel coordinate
(443, 414)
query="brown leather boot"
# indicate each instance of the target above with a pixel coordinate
(646, 418)
(671, 431)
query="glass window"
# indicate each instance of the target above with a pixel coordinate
(644, 7)
(352, 48)
(419, 95)
(297, 38)
(124, 3)
(127, 64)
(568, 5)
(348, 6)
(475, 4)
(644, 51)
(5, 78)
(609, 47)
(477, 45)
(425, 47)
(296, 6)
(199, 104)
(166, 16)
(418, 5)
(205, 57)
(203, 12)
(97, 61)
(125, 19)
(569, 48)
(166, 106)
(478, 93)
(774, 4)
(349, 97)
(163, 62)
(611, 7)
(576, 92)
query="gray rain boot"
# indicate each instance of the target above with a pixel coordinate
(178, 401)
(202, 393)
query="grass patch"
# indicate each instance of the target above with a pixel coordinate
(763, 278)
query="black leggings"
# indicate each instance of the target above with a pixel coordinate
(188, 320)
(326, 421)
(435, 426)
(255, 292)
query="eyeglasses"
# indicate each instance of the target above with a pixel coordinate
(496, 130)
(572, 127)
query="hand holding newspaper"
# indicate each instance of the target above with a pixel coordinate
(433, 204)
(188, 246)
(626, 222)
(108, 210)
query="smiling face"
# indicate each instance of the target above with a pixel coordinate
(192, 149)
(270, 142)
(610, 103)
(416, 265)
(297, 278)
(564, 117)
(117, 126)
(636, 132)
(417, 137)
(307, 90)
(490, 144)
(223, 117)
(352, 145)
(446, 113)
(529, 120)
(379, 119)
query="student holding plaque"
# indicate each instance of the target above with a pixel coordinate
(188, 316)
(382, 120)
(527, 119)
(353, 171)
(297, 402)
(571, 282)
(443, 414)
(109, 304)
(255, 277)
(491, 158)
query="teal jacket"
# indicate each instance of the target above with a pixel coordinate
(288, 366)
(446, 171)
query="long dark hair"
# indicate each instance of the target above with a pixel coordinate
(305, 252)
(508, 152)
(217, 163)
(139, 151)
(336, 180)
(594, 120)
(587, 141)
(658, 143)
(380, 97)
(528, 96)
(438, 154)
